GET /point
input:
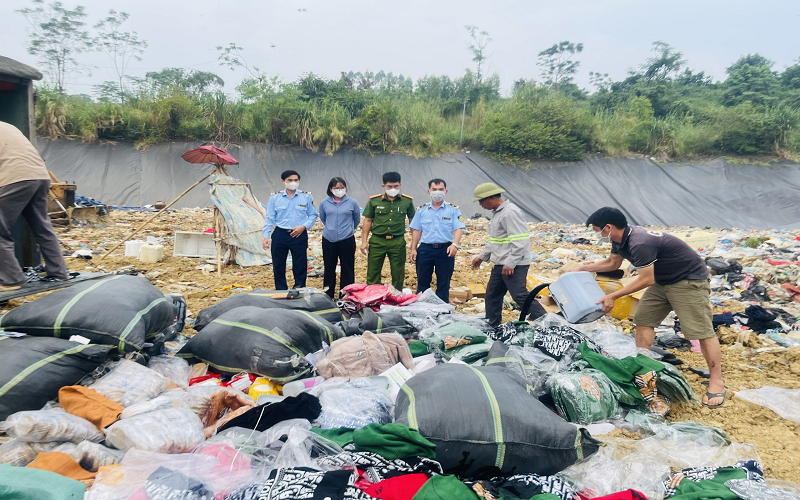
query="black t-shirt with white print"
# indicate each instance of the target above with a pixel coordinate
(672, 258)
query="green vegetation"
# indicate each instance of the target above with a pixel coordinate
(755, 242)
(662, 108)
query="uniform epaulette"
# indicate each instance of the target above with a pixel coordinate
(420, 207)
(407, 196)
(273, 194)
(455, 206)
(375, 195)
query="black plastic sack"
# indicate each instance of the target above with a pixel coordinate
(317, 303)
(483, 422)
(368, 320)
(121, 311)
(272, 343)
(722, 266)
(33, 369)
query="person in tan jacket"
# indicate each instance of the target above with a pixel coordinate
(24, 187)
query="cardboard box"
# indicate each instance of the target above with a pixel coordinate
(549, 304)
(462, 293)
(477, 289)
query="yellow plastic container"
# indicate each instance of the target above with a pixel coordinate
(263, 386)
(622, 306)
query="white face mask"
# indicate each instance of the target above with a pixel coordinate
(392, 192)
(292, 186)
(437, 196)
(338, 192)
(603, 239)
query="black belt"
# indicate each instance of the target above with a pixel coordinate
(387, 236)
(439, 245)
(697, 277)
(284, 229)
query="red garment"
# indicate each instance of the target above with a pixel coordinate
(624, 495)
(398, 488)
(374, 296)
(781, 262)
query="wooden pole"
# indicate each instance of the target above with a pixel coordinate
(148, 221)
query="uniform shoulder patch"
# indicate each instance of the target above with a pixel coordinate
(375, 196)
(407, 196)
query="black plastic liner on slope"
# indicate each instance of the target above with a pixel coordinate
(714, 194)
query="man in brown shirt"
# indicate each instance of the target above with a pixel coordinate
(24, 187)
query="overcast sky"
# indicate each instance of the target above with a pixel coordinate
(418, 37)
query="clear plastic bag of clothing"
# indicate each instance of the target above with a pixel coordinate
(606, 472)
(130, 383)
(605, 334)
(92, 456)
(534, 366)
(354, 404)
(583, 397)
(20, 453)
(211, 474)
(174, 430)
(173, 368)
(299, 447)
(70, 449)
(50, 426)
(424, 312)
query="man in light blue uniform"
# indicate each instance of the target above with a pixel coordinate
(291, 213)
(437, 225)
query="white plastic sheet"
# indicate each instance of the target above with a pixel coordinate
(784, 402)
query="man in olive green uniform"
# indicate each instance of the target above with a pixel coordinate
(385, 214)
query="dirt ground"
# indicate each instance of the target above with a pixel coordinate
(777, 439)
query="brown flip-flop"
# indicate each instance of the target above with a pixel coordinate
(712, 395)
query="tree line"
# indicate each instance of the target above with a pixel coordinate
(661, 108)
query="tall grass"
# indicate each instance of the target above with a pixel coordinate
(535, 121)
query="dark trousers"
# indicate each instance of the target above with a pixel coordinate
(282, 244)
(29, 200)
(343, 252)
(497, 288)
(430, 259)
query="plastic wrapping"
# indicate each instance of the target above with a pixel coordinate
(92, 456)
(173, 368)
(175, 430)
(757, 490)
(51, 426)
(452, 334)
(784, 402)
(20, 453)
(532, 365)
(603, 333)
(70, 449)
(157, 403)
(211, 474)
(605, 473)
(301, 448)
(583, 397)
(354, 404)
(130, 383)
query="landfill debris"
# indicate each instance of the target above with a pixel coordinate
(269, 419)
